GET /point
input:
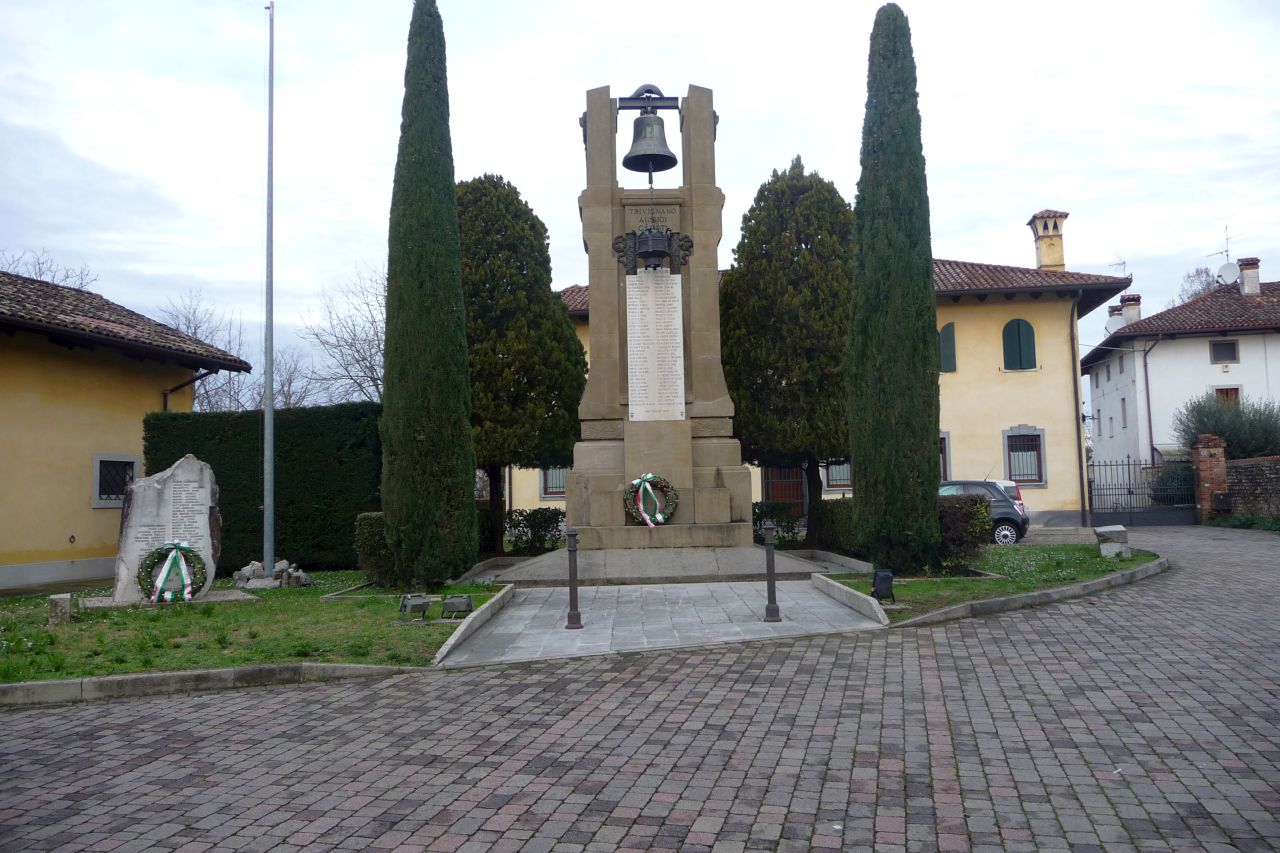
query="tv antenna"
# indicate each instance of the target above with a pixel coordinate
(1226, 243)
(1119, 265)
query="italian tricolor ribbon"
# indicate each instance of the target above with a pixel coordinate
(645, 494)
(175, 561)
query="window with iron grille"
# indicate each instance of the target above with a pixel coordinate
(1224, 352)
(1025, 459)
(112, 475)
(838, 475)
(553, 482)
(943, 468)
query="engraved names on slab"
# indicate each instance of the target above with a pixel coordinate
(655, 346)
(174, 504)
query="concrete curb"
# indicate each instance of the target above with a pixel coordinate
(473, 622)
(988, 606)
(851, 598)
(140, 684)
(825, 558)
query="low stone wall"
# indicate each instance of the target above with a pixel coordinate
(1254, 485)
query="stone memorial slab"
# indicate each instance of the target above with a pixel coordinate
(177, 504)
(655, 346)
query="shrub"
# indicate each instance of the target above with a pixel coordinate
(785, 515)
(373, 557)
(1248, 522)
(965, 523)
(535, 531)
(835, 527)
(1175, 485)
(1249, 427)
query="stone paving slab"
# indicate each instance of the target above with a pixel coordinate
(1143, 718)
(651, 616)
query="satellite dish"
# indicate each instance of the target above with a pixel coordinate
(1229, 273)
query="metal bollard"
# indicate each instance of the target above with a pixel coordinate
(771, 613)
(575, 618)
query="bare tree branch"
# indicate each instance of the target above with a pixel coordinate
(237, 392)
(350, 334)
(40, 265)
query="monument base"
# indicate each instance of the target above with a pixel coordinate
(731, 535)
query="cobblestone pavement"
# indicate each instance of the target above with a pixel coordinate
(1143, 718)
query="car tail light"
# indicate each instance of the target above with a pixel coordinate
(1017, 500)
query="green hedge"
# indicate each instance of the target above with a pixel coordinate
(373, 557)
(836, 526)
(786, 516)
(328, 469)
(965, 524)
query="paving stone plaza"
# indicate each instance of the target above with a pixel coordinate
(1146, 718)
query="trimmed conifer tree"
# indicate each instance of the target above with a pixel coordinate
(784, 320)
(893, 338)
(428, 463)
(528, 368)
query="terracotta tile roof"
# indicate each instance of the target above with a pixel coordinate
(1223, 309)
(1217, 312)
(962, 278)
(86, 317)
(574, 298)
(1048, 214)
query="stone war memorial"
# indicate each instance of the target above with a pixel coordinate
(177, 506)
(657, 466)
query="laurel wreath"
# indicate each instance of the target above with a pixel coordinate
(651, 500)
(147, 568)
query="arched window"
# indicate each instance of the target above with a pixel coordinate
(1019, 346)
(947, 348)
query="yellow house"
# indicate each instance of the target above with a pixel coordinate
(1009, 385)
(77, 374)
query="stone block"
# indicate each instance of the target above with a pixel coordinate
(704, 427)
(1114, 549)
(734, 535)
(597, 456)
(262, 583)
(60, 609)
(711, 506)
(1112, 533)
(716, 453)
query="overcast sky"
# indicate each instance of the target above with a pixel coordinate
(133, 134)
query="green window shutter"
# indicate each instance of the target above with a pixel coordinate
(1019, 346)
(947, 348)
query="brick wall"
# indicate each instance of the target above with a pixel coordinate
(1208, 458)
(1254, 485)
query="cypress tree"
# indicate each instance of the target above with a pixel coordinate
(784, 309)
(893, 341)
(527, 365)
(428, 463)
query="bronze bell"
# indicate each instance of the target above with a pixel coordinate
(649, 151)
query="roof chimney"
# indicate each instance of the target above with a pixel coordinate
(1047, 227)
(1114, 320)
(1249, 277)
(1131, 308)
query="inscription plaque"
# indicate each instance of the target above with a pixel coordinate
(655, 347)
(637, 217)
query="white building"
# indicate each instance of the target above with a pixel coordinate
(1226, 342)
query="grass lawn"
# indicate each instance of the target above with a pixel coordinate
(286, 625)
(1022, 568)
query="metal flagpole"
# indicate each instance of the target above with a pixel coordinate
(268, 367)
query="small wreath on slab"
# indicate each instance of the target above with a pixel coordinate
(172, 572)
(651, 500)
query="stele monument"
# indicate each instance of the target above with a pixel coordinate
(657, 466)
(177, 505)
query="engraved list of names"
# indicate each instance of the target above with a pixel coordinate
(655, 346)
